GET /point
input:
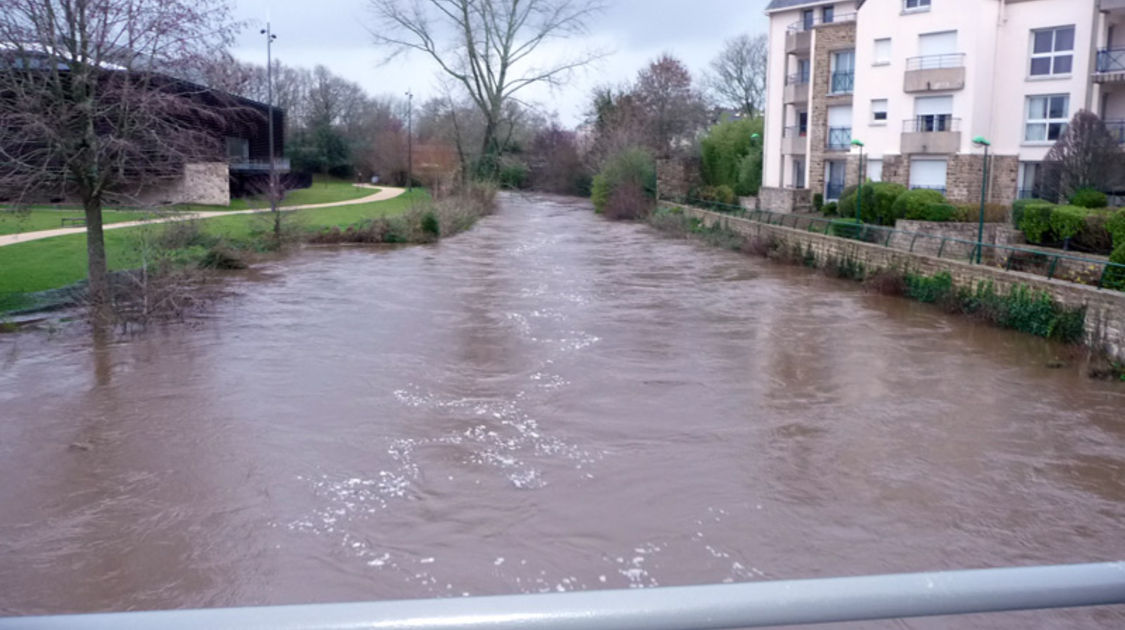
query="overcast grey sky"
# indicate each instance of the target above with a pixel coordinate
(334, 33)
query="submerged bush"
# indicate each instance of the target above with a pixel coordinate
(628, 180)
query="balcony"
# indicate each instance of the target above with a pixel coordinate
(839, 139)
(1116, 129)
(796, 89)
(1111, 5)
(931, 133)
(239, 165)
(794, 141)
(798, 38)
(934, 73)
(842, 83)
(1110, 66)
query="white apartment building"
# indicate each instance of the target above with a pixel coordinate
(917, 80)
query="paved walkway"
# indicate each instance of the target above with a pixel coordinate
(384, 193)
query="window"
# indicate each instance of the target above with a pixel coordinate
(1047, 117)
(882, 51)
(840, 128)
(875, 170)
(808, 18)
(937, 44)
(803, 70)
(835, 179)
(915, 5)
(238, 148)
(1052, 51)
(928, 173)
(1028, 189)
(827, 14)
(798, 173)
(803, 123)
(879, 111)
(843, 72)
(932, 113)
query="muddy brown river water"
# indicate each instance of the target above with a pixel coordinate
(549, 402)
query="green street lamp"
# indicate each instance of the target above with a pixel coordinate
(859, 188)
(980, 141)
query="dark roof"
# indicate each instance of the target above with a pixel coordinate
(777, 5)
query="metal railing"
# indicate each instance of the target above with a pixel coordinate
(842, 83)
(940, 189)
(818, 20)
(931, 123)
(1116, 128)
(797, 79)
(1008, 257)
(711, 607)
(258, 166)
(936, 62)
(1111, 60)
(839, 138)
(795, 131)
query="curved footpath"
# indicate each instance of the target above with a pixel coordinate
(383, 193)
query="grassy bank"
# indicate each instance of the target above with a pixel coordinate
(37, 218)
(61, 261)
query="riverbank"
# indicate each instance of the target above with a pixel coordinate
(38, 274)
(1004, 299)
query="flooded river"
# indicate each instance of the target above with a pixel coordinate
(549, 402)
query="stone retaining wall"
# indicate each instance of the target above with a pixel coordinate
(1105, 309)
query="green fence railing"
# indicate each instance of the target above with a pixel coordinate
(1109, 275)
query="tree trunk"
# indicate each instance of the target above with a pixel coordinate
(101, 307)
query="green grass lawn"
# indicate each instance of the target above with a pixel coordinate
(44, 218)
(61, 261)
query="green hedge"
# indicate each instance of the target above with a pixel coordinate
(1035, 221)
(845, 228)
(913, 203)
(1115, 276)
(878, 202)
(1088, 229)
(1116, 227)
(1089, 198)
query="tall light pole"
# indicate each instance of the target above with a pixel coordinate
(410, 141)
(859, 189)
(982, 142)
(273, 192)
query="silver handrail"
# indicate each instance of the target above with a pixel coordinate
(713, 607)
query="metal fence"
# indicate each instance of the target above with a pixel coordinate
(1092, 271)
(1111, 60)
(936, 62)
(811, 21)
(839, 138)
(711, 607)
(931, 123)
(842, 83)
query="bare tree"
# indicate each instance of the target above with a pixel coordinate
(737, 78)
(1086, 155)
(672, 111)
(87, 109)
(489, 47)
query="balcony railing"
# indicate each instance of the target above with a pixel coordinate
(815, 21)
(940, 189)
(258, 166)
(839, 138)
(1116, 129)
(931, 123)
(1111, 60)
(795, 131)
(842, 83)
(936, 62)
(796, 79)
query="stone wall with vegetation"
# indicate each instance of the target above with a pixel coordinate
(1105, 309)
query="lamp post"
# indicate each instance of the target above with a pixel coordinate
(859, 188)
(982, 142)
(410, 141)
(268, 32)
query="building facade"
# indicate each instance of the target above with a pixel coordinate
(916, 81)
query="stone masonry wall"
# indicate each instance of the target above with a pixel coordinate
(829, 38)
(1105, 309)
(205, 183)
(963, 178)
(785, 200)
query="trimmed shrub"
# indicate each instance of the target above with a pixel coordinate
(818, 202)
(970, 213)
(886, 194)
(831, 209)
(845, 228)
(1094, 235)
(1116, 227)
(1066, 222)
(848, 202)
(1115, 276)
(1035, 221)
(632, 170)
(914, 202)
(936, 212)
(1020, 205)
(1089, 198)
